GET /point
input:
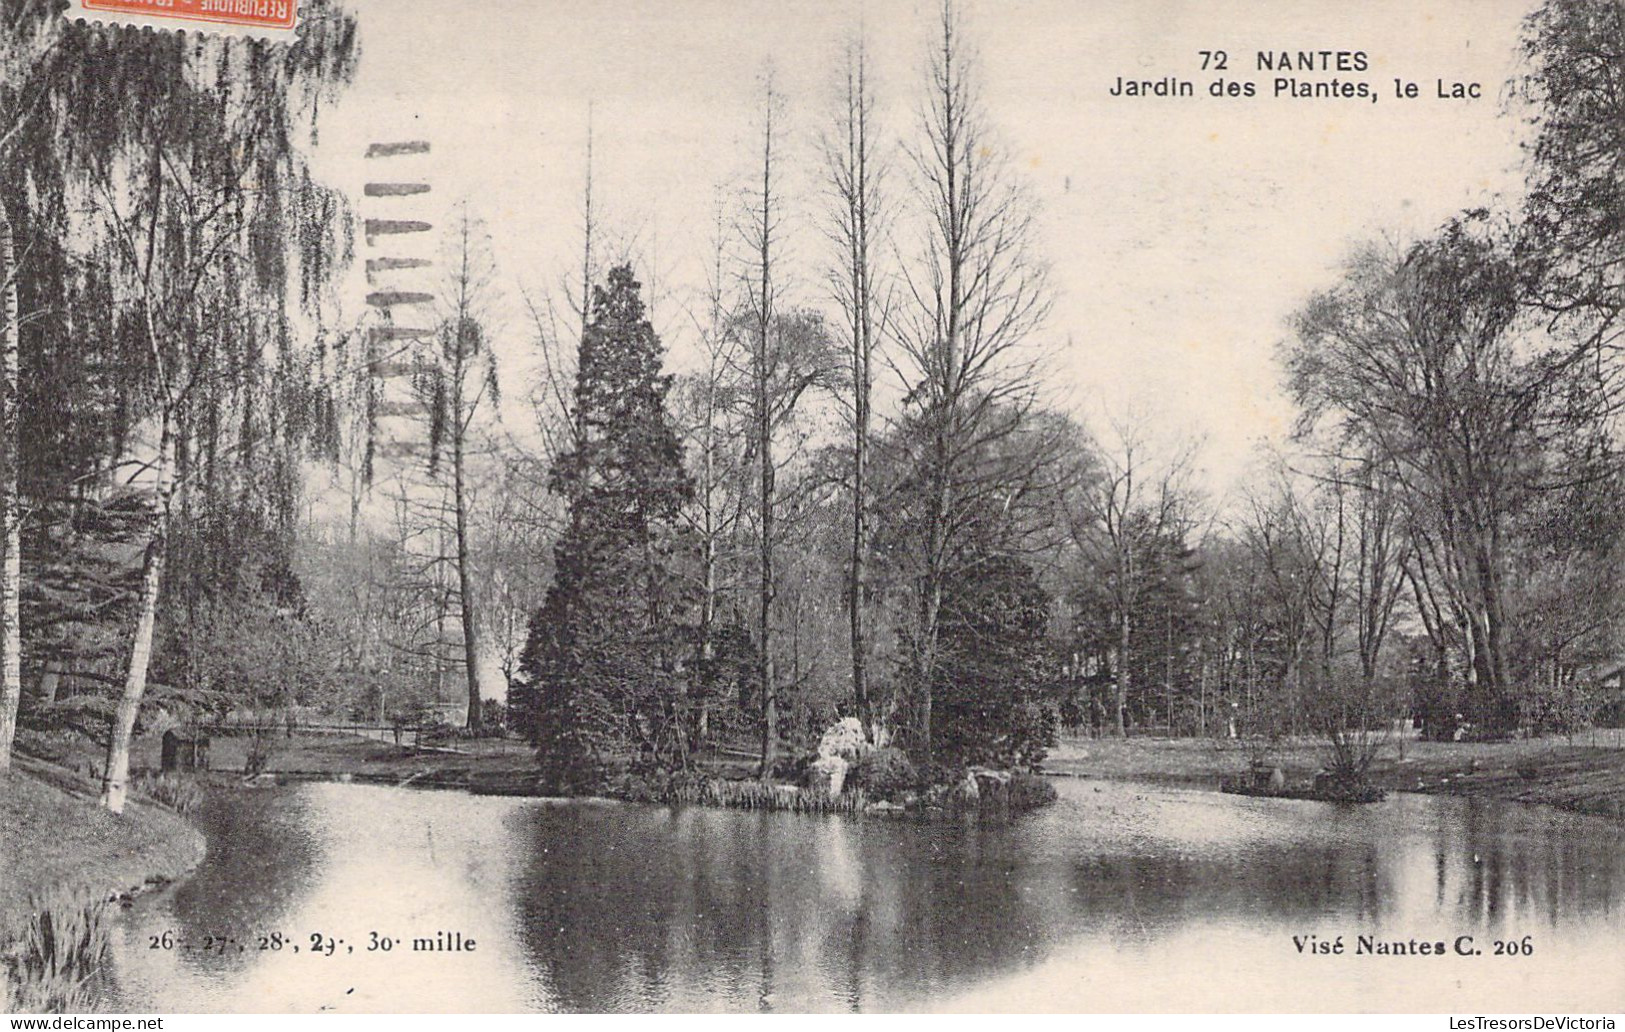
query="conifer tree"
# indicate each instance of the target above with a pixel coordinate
(605, 650)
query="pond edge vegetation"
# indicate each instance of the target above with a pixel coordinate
(57, 913)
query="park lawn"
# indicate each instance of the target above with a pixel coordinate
(490, 765)
(323, 754)
(55, 841)
(1578, 777)
(501, 765)
(1575, 776)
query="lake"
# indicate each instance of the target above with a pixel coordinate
(1121, 897)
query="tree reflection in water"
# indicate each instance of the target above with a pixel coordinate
(597, 906)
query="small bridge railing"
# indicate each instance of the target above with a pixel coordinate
(408, 736)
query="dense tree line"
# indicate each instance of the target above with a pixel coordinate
(1028, 576)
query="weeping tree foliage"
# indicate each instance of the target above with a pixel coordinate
(1575, 52)
(182, 248)
(23, 48)
(248, 644)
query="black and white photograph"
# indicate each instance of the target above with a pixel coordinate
(812, 506)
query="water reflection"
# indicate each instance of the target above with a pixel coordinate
(1121, 897)
(704, 909)
(262, 845)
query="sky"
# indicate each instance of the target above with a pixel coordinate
(1181, 233)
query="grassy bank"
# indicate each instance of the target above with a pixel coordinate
(1577, 777)
(64, 857)
(52, 834)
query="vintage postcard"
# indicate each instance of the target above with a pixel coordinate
(969, 506)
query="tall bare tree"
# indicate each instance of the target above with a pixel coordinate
(712, 414)
(762, 232)
(976, 294)
(855, 171)
(458, 381)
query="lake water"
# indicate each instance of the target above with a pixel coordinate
(1122, 897)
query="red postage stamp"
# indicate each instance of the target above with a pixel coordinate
(270, 18)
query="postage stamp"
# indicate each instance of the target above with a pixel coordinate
(272, 19)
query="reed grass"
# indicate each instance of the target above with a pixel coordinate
(49, 961)
(179, 793)
(761, 795)
(1019, 793)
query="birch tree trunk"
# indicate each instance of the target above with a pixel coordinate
(116, 772)
(11, 682)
